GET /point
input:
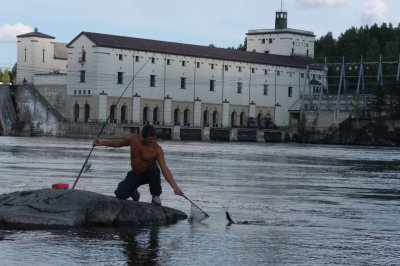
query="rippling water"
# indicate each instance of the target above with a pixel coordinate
(303, 204)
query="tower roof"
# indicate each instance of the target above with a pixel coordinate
(35, 33)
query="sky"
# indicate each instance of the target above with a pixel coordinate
(223, 23)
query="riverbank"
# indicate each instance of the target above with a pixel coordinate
(357, 132)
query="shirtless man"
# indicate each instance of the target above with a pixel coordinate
(145, 155)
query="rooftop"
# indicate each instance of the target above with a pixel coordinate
(138, 44)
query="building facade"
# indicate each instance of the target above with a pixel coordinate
(38, 53)
(189, 85)
(133, 80)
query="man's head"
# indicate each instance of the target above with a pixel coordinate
(149, 133)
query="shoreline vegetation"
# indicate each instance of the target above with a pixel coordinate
(355, 132)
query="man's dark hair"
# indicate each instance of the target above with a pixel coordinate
(148, 131)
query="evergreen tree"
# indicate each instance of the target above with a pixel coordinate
(6, 77)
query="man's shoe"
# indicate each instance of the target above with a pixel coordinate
(136, 195)
(156, 200)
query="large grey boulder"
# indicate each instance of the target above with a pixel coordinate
(57, 208)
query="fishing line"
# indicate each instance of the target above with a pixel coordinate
(104, 125)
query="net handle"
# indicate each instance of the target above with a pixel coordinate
(195, 205)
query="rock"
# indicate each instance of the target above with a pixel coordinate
(59, 208)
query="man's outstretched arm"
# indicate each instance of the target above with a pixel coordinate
(167, 173)
(114, 143)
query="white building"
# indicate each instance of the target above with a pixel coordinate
(173, 83)
(38, 53)
(281, 40)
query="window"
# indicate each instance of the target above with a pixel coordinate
(290, 91)
(302, 75)
(75, 92)
(153, 60)
(168, 61)
(88, 92)
(253, 70)
(198, 64)
(278, 73)
(265, 71)
(212, 85)
(87, 112)
(265, 89)
(270, 40)
(120, 57)
(43, 54)
(120, 78)
(262, 41)
(205, 118)
(183, 63)
(82, 76)
(239, 87)
(83, 57)
(183, 83)
(240, 69)
(212, 66)
(226, 68)
(186, 117)
(76, 112)
(152, 80)
(137, 58)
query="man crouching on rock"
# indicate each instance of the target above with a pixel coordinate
(145, 154)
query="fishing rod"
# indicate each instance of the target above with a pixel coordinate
(104, 125)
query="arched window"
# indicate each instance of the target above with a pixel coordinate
(124, 114)
(205, 118)
(233, 119)
(177, 116)
(87, 112)
(242, 119)
(156, 116)
(186, 117)
(76, 112)
(112, 114)
(259, 119)
(215, 118)
(146, 112)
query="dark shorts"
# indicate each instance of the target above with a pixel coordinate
(128, 186)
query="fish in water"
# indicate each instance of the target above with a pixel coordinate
(230, 221)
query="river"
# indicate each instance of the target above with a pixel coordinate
(300, 204)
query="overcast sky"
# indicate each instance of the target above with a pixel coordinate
(223, 23)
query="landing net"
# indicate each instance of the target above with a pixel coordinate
(197, 214)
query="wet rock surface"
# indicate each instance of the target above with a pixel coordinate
(59, 208)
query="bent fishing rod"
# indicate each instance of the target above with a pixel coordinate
(104, 125)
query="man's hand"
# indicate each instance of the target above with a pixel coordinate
(96, 142)
(178, 191)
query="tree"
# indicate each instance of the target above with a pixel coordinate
(6, 77)
(325, 47)
(13, 74)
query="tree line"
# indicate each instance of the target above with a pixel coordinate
(370, 42)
